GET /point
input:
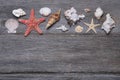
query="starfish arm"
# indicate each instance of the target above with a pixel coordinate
(94, 30)
(41, 20)
(88, 30)
(38, 29)
(86, 24)
(23, 21)
(92, 22)
(97, 25)
(32, 14)
(27, 32)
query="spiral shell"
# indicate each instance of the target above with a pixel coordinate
(79, 29)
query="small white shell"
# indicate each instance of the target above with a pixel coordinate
(87, 10)
(11, 25)
(82, 16)
(45, 11)
(108, 24)
(18, 12)
(98, 13)
(78, 29)
(63, 28)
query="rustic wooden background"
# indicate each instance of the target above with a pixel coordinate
(57, 55)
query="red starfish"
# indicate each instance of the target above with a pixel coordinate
(32, 23)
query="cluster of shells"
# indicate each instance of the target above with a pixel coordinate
(70, 15)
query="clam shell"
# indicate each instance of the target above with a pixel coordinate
(45, 11)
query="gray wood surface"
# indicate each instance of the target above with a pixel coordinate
(57, 55)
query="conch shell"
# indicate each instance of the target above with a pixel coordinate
(72, 17)
(108, 24)
(53, 18)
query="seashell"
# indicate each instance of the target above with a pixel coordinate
(72, 16)
(11, 25)
(81, 16)
(45, 11)
(53, 19)
(63, 28)
(78, 29)
(108, 24)
(98, 13)
(18, 12)
(69, 12)
(87, 10)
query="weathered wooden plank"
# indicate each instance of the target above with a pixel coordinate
(58, 77)
(59, 53)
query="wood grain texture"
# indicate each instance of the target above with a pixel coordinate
(64, 76)
(57, 55)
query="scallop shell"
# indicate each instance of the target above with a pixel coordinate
(11, 25)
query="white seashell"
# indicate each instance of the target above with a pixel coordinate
(68, 13)
(108, 24)
(73, 10)
(18, 12)
(45, 11)
(63, 28)
(11, 25)
(74, 17)
(82, 16)
(98, 13)
(71, 15)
